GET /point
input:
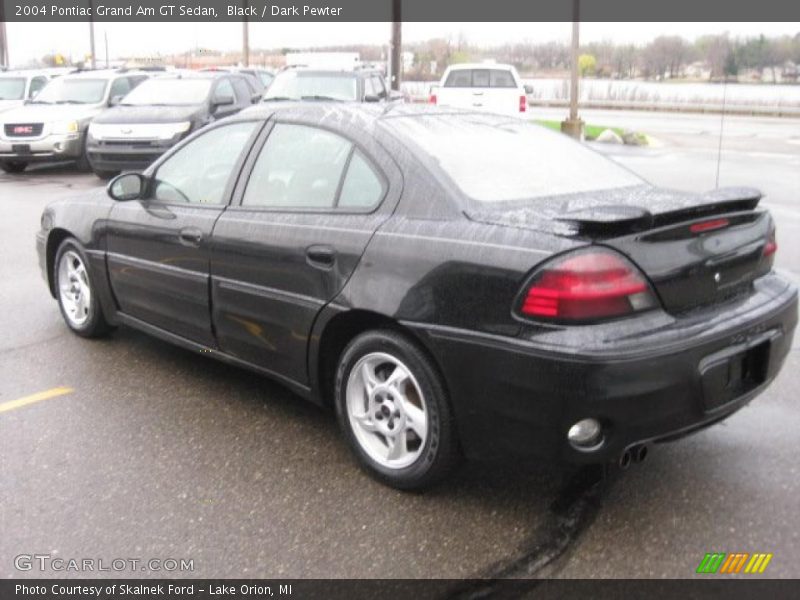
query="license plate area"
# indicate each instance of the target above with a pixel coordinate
(21, 148)
(730, 376)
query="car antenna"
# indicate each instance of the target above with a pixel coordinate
(721, 125)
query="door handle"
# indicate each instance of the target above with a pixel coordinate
(320, 256)
(191, 236)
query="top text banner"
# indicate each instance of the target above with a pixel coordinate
(411, 10)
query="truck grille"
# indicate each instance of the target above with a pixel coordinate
(23, 129)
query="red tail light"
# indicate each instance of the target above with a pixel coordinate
(432, 99)
(523, 103)
(771, 247)
(587, 285)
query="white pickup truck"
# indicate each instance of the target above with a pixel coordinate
(489, 87)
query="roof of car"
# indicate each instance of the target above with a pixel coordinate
(367, 113)
(102, 73)
(30, 72)
(483, 65)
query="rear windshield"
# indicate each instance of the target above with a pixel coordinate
(173, 92)
(499, 78)
(12, 88)
(492, 159)
(293, 85)
(73, 91)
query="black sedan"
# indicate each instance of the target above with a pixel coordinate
(453, 284)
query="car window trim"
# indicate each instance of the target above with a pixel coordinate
(233, 178)
(247, 170)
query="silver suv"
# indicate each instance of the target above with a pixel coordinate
(53, 125)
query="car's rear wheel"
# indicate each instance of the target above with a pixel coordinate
(393, 409)
(77, 296)
(13, 166)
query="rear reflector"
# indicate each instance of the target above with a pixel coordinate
(432, 99)
(709, 225)
(587, 285)
(523, 103)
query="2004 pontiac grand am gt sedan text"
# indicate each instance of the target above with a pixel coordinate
(453, 283)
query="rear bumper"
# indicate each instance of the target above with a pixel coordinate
(48, 148)
(519, 397)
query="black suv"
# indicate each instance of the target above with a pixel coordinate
(158, 114)
(306, 83)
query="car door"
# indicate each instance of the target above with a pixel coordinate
(159, 247)
(292, 237)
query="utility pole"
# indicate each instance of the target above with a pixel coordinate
(4, 62)
(573, 125)
(105, 35)
(245, 36)
(91, 33)
(397, 44)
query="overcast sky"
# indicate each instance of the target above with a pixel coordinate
(32, 40)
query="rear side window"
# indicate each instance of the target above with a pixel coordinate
(305, 167)
(362, 188)
(299, 167)
(496, 78)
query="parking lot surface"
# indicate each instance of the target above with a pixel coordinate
(156, 452)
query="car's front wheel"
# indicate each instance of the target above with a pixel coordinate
(13, 166)
(77, 296)
(393, 409)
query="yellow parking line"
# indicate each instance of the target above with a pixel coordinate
(25, 401)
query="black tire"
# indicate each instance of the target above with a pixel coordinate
(82, 162)
(95, 324)
(105, 175)
(440, 452)
(13, 166)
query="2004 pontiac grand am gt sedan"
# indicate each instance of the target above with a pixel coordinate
(453, 283)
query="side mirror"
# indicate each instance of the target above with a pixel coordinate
(371, 98)
(115, 100)
(126, 187)
(528, 88)
(255, 98)
(221, 101)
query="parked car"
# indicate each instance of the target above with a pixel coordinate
(531, 299)
(53, 125)
(488, 87)
(260, 78)
(159, 113)
(18, 86)
(301, 83)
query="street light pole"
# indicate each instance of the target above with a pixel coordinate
(573, 125)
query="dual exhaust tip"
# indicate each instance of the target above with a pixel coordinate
(634, 454)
